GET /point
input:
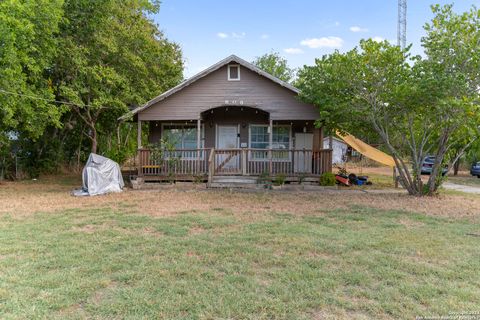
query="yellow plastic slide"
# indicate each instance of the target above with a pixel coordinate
(367, 150)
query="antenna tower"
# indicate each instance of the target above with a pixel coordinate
(402, 24)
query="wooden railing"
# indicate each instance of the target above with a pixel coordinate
(243, 161)
(183, 162)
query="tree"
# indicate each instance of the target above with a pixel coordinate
(276, 65)
(113, 57)
(28, 47)
(408, 102)
(452, 45)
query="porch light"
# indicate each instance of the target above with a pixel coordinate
(304, 129)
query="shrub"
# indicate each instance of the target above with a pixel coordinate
(280, 179)
(327, 179)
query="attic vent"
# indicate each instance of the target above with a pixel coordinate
(233, 72)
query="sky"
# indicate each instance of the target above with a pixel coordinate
(300, 30)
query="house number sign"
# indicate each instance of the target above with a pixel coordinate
(234, 102)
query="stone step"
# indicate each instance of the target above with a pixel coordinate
(232, 185)
(237, 180)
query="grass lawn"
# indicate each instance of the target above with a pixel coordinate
(113, 258)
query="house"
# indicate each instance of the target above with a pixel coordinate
(231, 119)
(339, 149)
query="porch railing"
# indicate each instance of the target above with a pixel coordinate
(243, 161)
(184, 162)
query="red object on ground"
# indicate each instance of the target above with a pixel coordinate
(342, 180)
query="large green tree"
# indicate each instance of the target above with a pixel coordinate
(417, 106)
(112, 57)
(276, 65)
(452, 46)
(28, 46)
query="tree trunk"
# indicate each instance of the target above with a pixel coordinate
(93, 137)
(456, 167)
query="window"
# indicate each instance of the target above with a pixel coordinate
(182, 136)
(259, 139)
(233, 72)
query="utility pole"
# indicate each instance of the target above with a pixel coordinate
(402, 24)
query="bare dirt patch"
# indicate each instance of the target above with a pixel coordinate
(20, 199)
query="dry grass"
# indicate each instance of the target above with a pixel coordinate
(200, 254)
(51, 194)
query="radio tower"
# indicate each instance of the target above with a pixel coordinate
(402, 24)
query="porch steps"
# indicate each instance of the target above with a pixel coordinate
(242, 182)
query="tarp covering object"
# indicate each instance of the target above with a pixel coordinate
(100, 175)
(367, 150)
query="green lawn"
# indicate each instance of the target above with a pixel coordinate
(356, 263)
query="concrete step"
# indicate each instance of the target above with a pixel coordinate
(238, 180)
(243, 182)
(221, 185)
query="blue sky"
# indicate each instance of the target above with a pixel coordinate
(301, 30)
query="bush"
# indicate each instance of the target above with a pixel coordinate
(327, 179)
(280, 179)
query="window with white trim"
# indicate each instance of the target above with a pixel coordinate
(233, 72)
(259, 139)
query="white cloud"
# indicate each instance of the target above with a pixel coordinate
(293, 50)
(358, 29)
(337, 23)
(264, 36)
(233, 35)
(240, 35)
(378, 39)
(324, 42)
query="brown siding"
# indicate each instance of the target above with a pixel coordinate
(232, 117)
(214, 89)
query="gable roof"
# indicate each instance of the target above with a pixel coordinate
(204, 73)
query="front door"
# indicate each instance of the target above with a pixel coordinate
(227, 153)
(303, 159)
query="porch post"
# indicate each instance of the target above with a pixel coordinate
(139, 146)
(139, 134)
(199, 140)
(199, 133)
(270, 143)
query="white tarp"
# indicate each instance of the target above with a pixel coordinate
(100, 175)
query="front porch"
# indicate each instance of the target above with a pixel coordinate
(204, 164)
(232, 140)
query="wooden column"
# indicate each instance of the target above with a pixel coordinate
(321, 136)
(317, 139)
(199, 133)
(270, 145)
(139, 134)
(139, 146)
(199, 141)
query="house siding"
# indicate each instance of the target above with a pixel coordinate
(214, 90)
